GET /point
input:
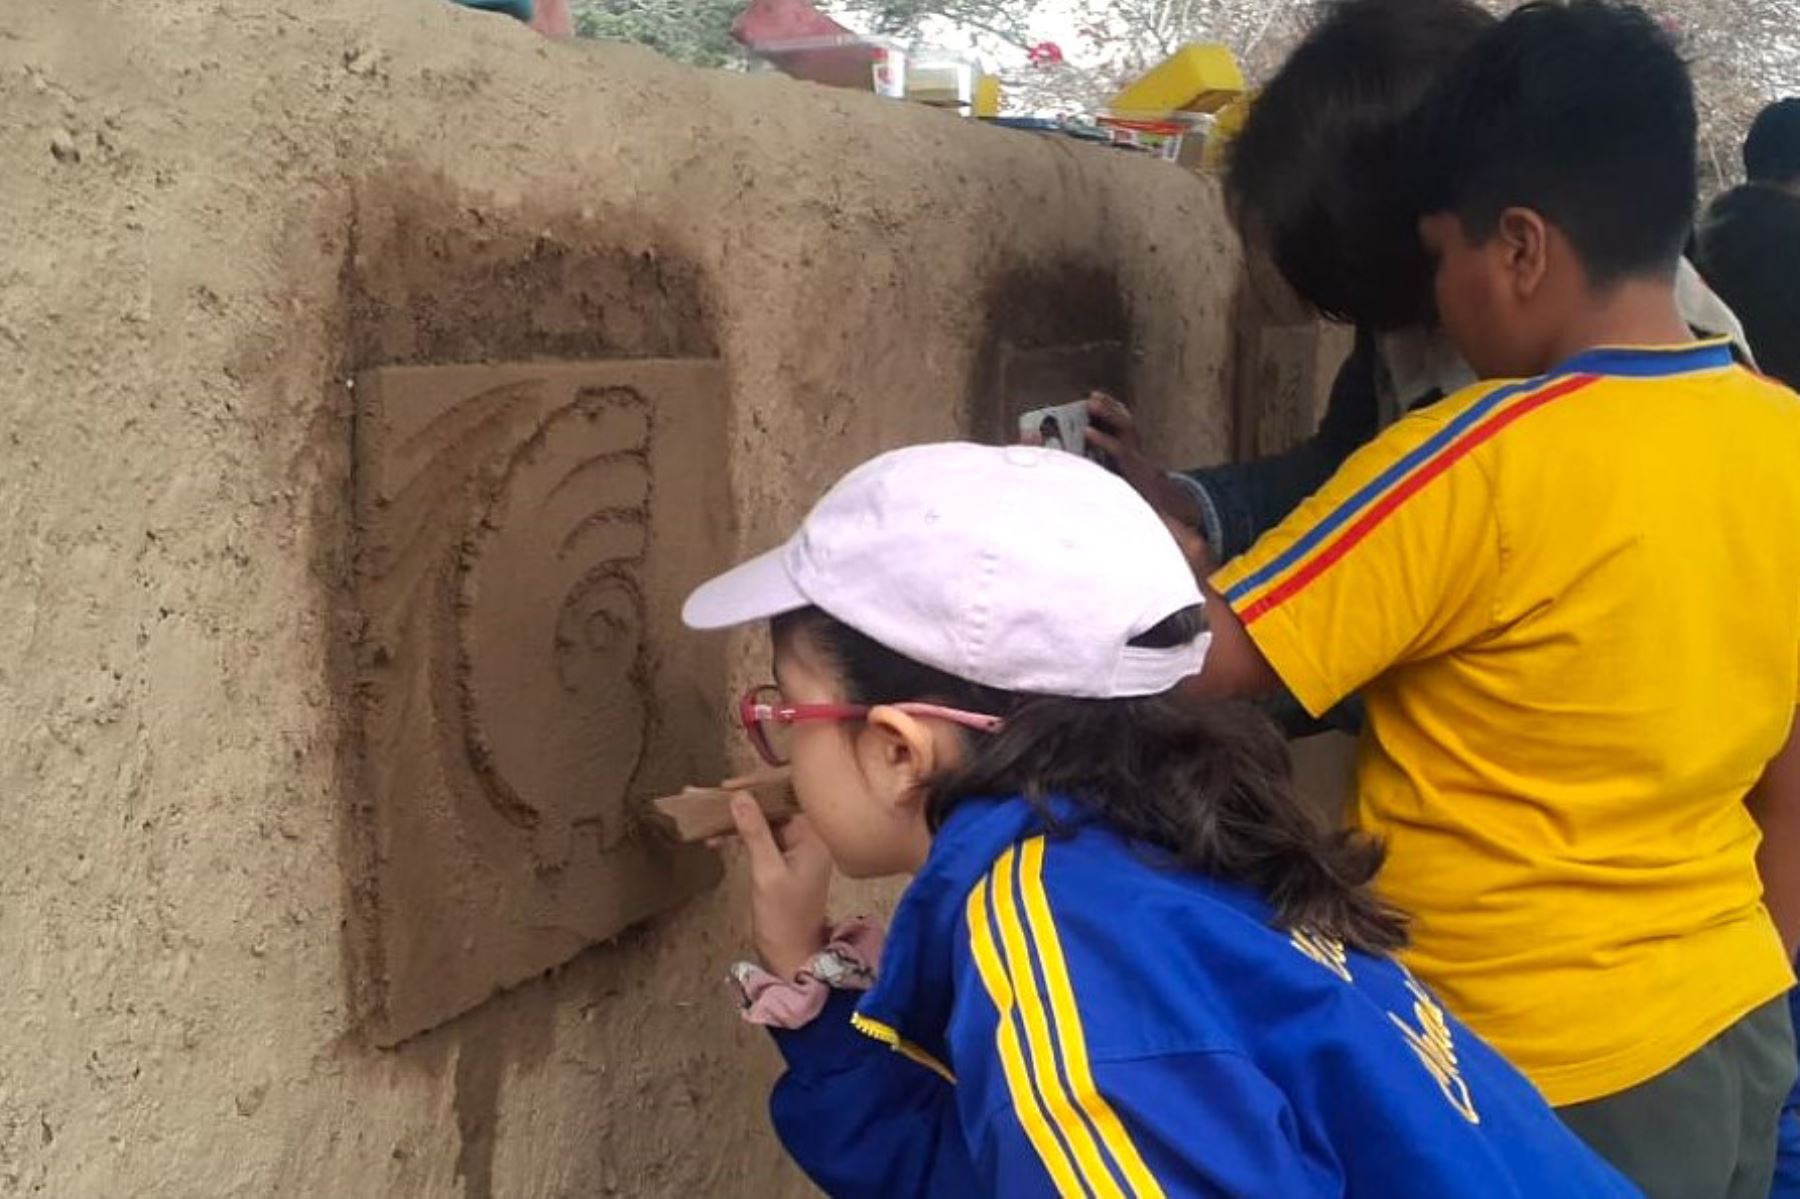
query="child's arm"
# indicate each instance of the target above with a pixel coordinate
(864, 1122)
(1235, 667)
(1233, 504)
(858, 1118)
(1776, 805)
(1395, 559)
(1246, 499)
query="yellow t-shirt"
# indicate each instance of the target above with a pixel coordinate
(1572, 605)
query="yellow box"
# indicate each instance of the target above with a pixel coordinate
(1201, 77)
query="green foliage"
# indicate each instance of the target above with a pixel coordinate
(691, 31)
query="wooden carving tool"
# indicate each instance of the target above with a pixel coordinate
(702, 813)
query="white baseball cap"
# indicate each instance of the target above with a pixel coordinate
(1025, 569)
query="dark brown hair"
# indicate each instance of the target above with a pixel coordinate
(1582, 112)
(1749, 250)
(1317, 177)
(1208, 783)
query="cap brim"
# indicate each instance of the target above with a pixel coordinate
(757, 590)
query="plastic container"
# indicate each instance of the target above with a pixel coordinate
(1163, 138)
(942, 80)
(864, 64)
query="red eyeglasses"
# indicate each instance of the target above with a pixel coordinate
(768, 721)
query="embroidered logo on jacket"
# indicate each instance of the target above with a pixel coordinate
(1327, 951)
(1431, 1040)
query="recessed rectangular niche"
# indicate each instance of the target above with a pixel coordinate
(525, 534)
(1040, 376)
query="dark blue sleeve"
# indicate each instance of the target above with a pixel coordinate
(1250, 498)
(864, 1121)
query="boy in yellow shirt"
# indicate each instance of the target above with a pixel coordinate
(1571, 601)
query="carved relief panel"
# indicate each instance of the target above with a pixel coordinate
(525, 534)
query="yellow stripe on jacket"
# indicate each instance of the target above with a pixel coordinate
(1026, 1103)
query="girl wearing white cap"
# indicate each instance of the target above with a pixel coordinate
(1129, 961)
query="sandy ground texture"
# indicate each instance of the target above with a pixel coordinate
(214, 215)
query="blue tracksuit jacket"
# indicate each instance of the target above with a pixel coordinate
(1787, 1164)
(1074, 1016)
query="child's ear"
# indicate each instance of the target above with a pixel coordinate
(1522, 238)
(903, 755)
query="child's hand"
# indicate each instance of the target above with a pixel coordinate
(1113, 430)
(790, 875)
(1193, 548)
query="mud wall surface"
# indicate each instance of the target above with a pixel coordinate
(230, 230)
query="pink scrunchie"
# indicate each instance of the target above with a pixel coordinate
(847, 963)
